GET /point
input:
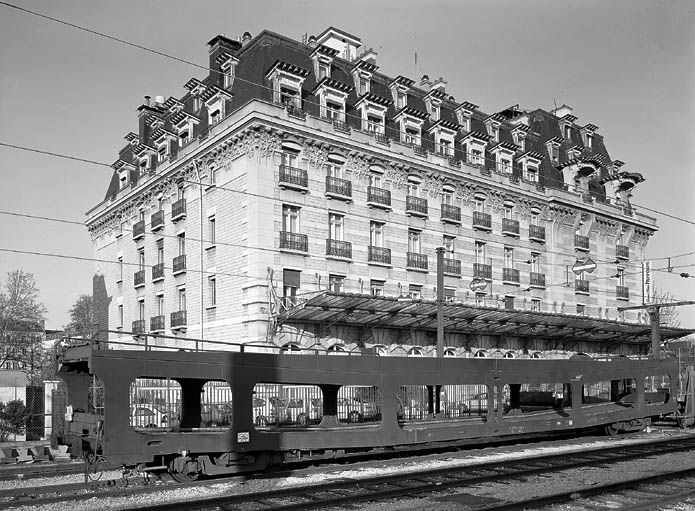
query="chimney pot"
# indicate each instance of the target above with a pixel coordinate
(147, 100)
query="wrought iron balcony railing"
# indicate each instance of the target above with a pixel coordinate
(622, 292)
(138, 326)
(139, 230)
(381, 139)
(415, 206)
(510, 227)
(378, 197)
(451, 214)
(536, 233)
(537, 280)
(482, 220)
(510, 275)
(157, 323)
(178, 319)
(581, 286)
(341, 126)
(179, 264)
(419, 150)
(415, 260)
(338, 188)
(178, 210)
(451, 267)
(158, 272)
(482, 271)
(139, 278)
(294, 241)
(157, 220)
(338, 248)
(379, 255)
(622, 252)
(581, 242)
(296, 112)
(291, 177)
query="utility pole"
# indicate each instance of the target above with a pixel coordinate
(440, 301)
(654, 311)
(202, 251)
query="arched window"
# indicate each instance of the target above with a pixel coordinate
(480, 354)
(536, 355)
(415, 352)
(336, 348)
(290, 346)
(509, 354)
(450, 352)
(380, 350)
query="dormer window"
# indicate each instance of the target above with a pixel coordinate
(446, 147)
(215, 117)
(401, 100)
(411, 135)
(465, 124)
(375, 124)
(589, 140)
(567, 132)
(289, 96)
(372, 111)
(435, 112)
(531, 174)
(197, 104)
(184, 137)
(123, 179)
(228, 77)
(324, 70)
(287, 80)
(333, 111)
(504, 165)
(332, 96)
(144, 165)
(364, 85)
(163, 152)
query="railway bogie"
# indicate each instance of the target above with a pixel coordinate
(207, 413)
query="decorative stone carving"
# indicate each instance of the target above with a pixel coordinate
(358, 165)
(396, 175)
(432, 185)
(316, 156)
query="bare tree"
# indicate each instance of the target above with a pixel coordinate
(21, 316)
(668, 316)
(81, 317)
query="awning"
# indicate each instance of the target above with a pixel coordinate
(367, 311)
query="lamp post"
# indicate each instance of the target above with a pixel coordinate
(440, 301)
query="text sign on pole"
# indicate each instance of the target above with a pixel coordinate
(647, 282)
(586, 265)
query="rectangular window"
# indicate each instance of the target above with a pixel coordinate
(621, 277)
(413, 241)
(289, 160)
(335, 283)
(480, 299)
(508, 212)
(508, 257)
(376, 234)
(334, 170)
(215, 117)
(476, 157)
(480, 252)
(509, 302)
(162, 153)
(180, 194)
(364, 85)
(531, 174)
(535, 305)
(480, 205)
(160, 305)
(401, 99)
(289, 96)
(290, 218)
(376, 287)
(375, 180)
(120, 269)
(120, 315)
(413, 188)
(449, 294)
(141, 259)
(581, 309)
(448, 197)
(415, 292)
(375, 124)
(211, 230)
(568, 132)
(412, 135)
(182, 298)
(334, 111)
(323, 71)
(445, 147)
(182, 243)
(290, 286)
(535, 262)
(197, 104)
(141, 309)
(589, 140)
(184, 138)
(505, 166)
(228, 77)
(335, 226)
(212, 291)
(160, 251)
(448, 242)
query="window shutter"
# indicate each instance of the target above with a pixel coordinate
(290, 278)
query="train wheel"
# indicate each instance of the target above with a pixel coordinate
(612, 429)
(303, 419)
(94, 467)
(184, 470)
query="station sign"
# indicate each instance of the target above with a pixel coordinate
(478, 284)
(586, 265)
(647, 282)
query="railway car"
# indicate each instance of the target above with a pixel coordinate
(219, 412)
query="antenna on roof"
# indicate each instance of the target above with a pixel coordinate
(305, 38)
(555, 103)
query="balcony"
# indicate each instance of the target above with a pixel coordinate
(178, 320)
(416, 261)
(341, 249)
(451, 214)
(294, 241)
(157, 220)
(622, 293)
(415, 206)
(138, 326)
(482, 271)
(178, 210)
(622, 252)
(581, 287)
(537, 280)
(294, 179)
(581, 243)
(139, 230)
(451, 267)
(454, 161)
(419, 150)
(379, 255)
(179, 264)
(338, 188)
(341, 126)
(482, 221)
(158, 272)
(157, 323)
(295, 111)
(382, 139)
(139, 278)
(510, 227)
(510, 276)
(378, 198)
(536, 233)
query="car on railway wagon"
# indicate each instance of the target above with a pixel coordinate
(398, 391)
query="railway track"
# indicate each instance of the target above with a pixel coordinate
(36, 471)
(350, 492)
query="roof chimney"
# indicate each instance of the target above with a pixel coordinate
(158, 100)
(562, 111)
(147, 100)
(425, 82)
(312, 41)
(439, 84)
(245, 38)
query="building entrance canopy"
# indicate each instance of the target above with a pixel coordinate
(366, 311)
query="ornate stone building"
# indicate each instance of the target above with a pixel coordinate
(296, 172)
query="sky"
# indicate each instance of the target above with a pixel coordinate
(627, 66)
